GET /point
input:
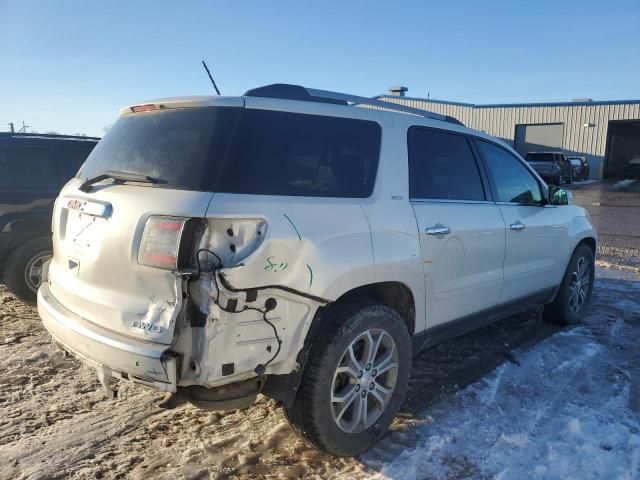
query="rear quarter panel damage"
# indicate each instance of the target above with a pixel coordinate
(315, 256)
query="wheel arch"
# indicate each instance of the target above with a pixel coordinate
(589, 241)
(393, 294)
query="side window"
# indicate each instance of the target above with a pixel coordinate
(442, 166)
(513, 182)
(283, 153)
(28, 167)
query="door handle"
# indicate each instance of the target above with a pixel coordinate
(518, 226)
(438, 229)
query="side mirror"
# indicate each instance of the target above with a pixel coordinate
(558, 196)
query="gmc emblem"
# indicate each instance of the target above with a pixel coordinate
(75, 204)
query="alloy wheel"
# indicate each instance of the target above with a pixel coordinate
(364, 381)
(580, 285)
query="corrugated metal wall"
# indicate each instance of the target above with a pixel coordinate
(501, 122)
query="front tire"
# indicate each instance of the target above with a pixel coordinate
(355, 379)
(574, 295)
(23, 270)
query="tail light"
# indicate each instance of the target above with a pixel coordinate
(160, 246)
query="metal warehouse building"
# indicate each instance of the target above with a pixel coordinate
(607, 133)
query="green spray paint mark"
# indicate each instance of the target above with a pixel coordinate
(293, 225)
(310, 276)
(275, 266)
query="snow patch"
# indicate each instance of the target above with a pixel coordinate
(563, 413)
(574, 425)
(515, 440)
(624, 183)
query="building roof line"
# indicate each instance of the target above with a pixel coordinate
(430, 100)
(515, 105)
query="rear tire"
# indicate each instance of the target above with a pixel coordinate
(23, 270)
(355, 379)
(574, 295)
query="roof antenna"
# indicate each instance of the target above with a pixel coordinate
(210, 77)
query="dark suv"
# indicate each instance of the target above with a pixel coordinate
(553, 167)
(33, 168)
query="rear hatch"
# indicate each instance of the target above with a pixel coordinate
(98, 270)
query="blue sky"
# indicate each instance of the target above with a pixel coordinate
(68, 65)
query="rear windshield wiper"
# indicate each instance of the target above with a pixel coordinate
(119, 177)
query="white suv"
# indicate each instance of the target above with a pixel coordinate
(292, 243)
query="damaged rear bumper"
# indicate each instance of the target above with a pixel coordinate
(112, 354)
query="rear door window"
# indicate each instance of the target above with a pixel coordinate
(28, 167)
(442, 166)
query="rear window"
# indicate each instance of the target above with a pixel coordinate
(539, 157)
(233, 150)
(180, 147)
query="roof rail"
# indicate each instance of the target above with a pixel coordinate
(297, 92)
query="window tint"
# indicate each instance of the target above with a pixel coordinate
(183, 148)
(513, 182)
(281, 153)
(442, 166)
(28, 167)
(235, 150)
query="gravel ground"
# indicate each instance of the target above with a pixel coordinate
(518, 399)
(614, 207)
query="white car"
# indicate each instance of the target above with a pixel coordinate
(291, 243)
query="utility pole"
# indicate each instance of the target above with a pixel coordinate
(24, 128)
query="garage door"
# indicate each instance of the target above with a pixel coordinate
(536, 138)
(623, 146)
